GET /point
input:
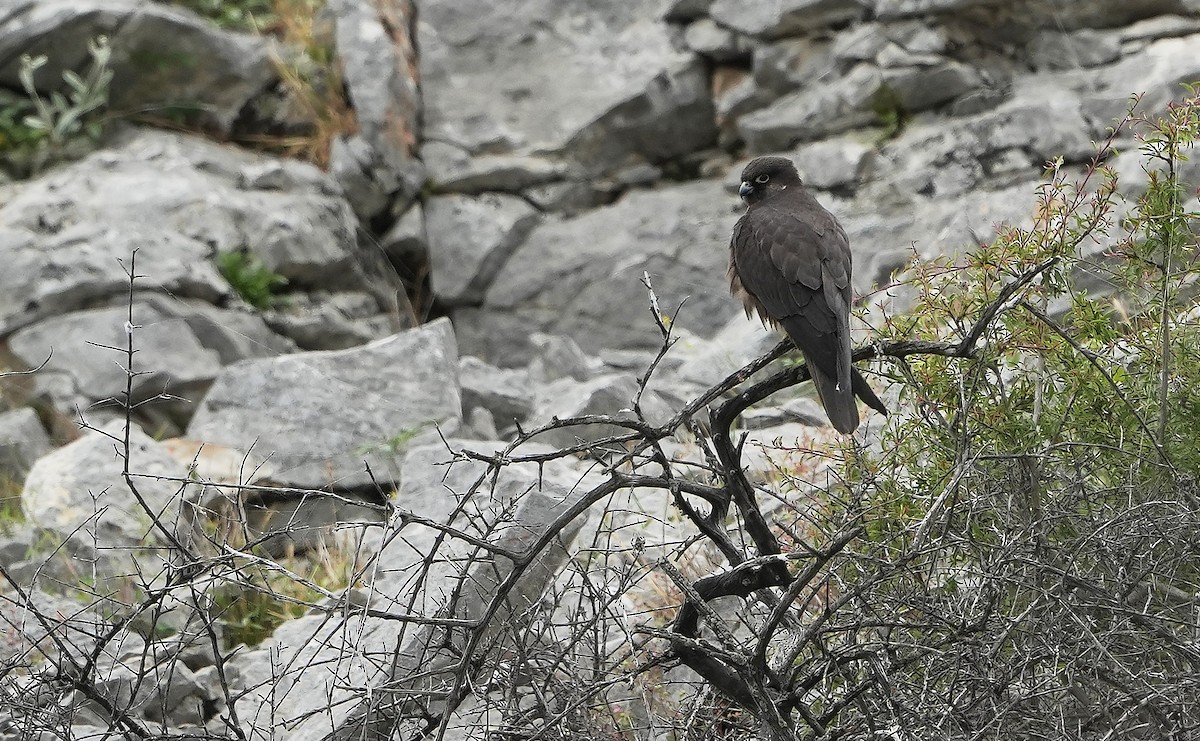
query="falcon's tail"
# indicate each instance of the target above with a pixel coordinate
(840, 406)
(863, 390)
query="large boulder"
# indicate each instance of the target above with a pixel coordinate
(470, 238)
(597, 82)
(323, 417)
(78, 492)
(177, 200)
(179, 348)
(581, 276)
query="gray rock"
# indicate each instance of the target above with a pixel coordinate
(375, 45)
(330, 320)
(859, 43)
(736, 94)
(679, 11)
(77, 492)
(505, 393)
(813, 113)
(289, 525)
(803, 410)
(406, 243)
(1157, 71)
(51, 273)
(1053, 50)
(293, 408)
(163, 58)
(22, 441)
(953, 158)
(557, 356)
(611, 395)
(891, 9)
(582, 276)
(784, 17)
(1163, 26)
(793, 63)
(177, 200)
(921, 88)
(314, 705)
(936, 225)
(454, 170)
(480, 423)
(717, 43)
(157, 687)
(832, 163)
(918, 37)
(180, 347)
(626, 91)
(470, 239)
(352, 164)
(85, 371)
(233, 334)
(739, 341)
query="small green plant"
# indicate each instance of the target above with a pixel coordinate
(396, 443)
(37, 129)
(257, 284)
(61, 117)
(888, 107)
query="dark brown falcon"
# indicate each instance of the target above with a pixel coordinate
(789, 262)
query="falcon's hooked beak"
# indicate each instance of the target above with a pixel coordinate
(745, 189)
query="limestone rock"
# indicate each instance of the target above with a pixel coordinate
(470, 239)
(611, 394)
(460, 172)
(624, 93)
(815, 112)
(78, 266)
(505, 393)
(1053, 50)
(323, 416)
(832, 163)
(717, 43)
(558, 356)
(84, 371)
(68, 230)
(784, 17)
(22, 441)
(582, 276)
(180, 347)
(77, 491)
(330, 320)
(920, 88)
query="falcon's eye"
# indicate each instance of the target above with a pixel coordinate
(762, 179)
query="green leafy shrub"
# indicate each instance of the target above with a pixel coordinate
(257, 284)
(1030, 566)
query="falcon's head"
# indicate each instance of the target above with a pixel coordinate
(767, 175)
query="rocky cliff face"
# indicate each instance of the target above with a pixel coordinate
(514, 169)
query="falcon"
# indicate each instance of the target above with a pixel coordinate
(789, 263)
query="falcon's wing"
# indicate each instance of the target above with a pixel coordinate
(797, 270)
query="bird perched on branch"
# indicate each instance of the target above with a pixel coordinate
(789, 262)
